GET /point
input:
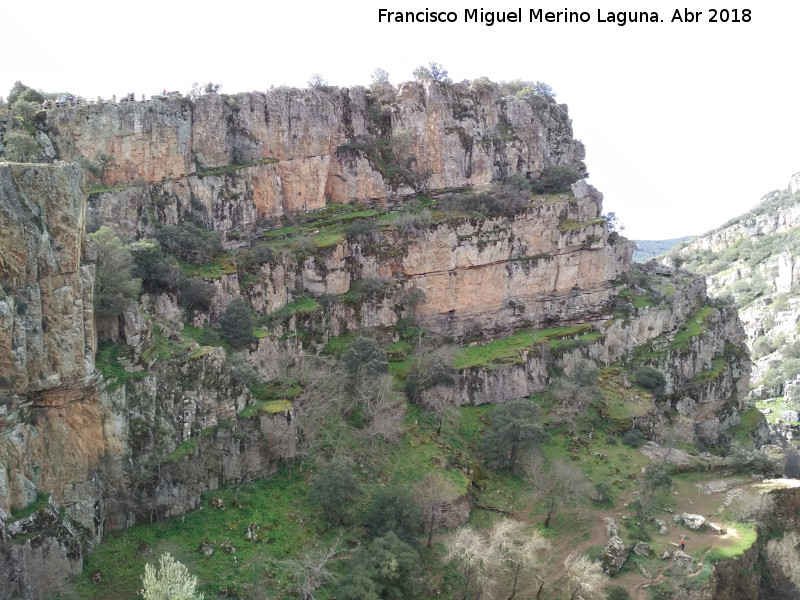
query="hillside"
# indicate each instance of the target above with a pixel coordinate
(650, 249)
(753, 258)
(299, 339)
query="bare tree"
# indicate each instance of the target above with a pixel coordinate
(560, 485)
(784, 554)
(517, 549)
(311, 571)
(475, 557)
(434, 494)
(586, 578)
(753, 507)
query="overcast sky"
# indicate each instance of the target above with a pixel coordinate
(685, 124)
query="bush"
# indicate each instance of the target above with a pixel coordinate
(22, 147)
(172, 581)
(394, 509)
(158, 271)
(257, 255)
(195, 294)
(650, 379)
(242, 372)
(412, 222)
(115, 288)
(191, 242)
(617, 593)
(365, 358)
(333, 490)
(633, 438)
(237, 323)
(504, 200)
(360, 228)
(747, 459)
(657, 476)
(556, 179)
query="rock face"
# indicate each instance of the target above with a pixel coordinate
(165, 419)
(262, 154)
(614, 555)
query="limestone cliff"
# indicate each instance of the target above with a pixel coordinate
(755, 258)
(164, 418)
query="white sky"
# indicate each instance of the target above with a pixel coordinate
(685, 124)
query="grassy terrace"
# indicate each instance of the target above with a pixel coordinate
(691, 328)
(507, 350)
(570, 224)
(213, 269)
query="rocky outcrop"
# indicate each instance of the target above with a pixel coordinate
(614, 555)
(235, 158)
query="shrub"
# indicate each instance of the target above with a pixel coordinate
(333, 490)
(747, 459)
(365, 358)
(237, 323)
(191, 242)
(496, 200)
(657, 476)
(242, 372)
(114, 285)
(158, 271)
(650, 379)
(171, 581)
(360, 228)
(32, 95)
(257, 255)
(633, 438)
(394, 509)
(556, 179)
(617, 593)
(515, 428)
(412, 222)
(195, 294)
(22, 147)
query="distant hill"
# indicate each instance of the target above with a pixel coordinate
(647, 249)
(756, 258)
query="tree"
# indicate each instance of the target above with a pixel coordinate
(311, 572)
(556, 179)
(317, 82)
(473, 555)
(379, 76)
(561, 485)
(171, 581)
(333, 490)
(518, 549)
(613, 223)
(514, 429)
(393, 509)
(365, 358)
(158, 271)
(783, 554)
(651, 379)
(237, 323)
(115, 288)
(577, 391)
(195, 294)
(434, 494)
(434, 71)
(22, 147)
(32, 95)
(16, 91)
(386, 568)
(586, 578)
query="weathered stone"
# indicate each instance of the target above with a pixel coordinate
(611, 526)
(717, 529)
(682, 559)
(692, 521)
(665, 555)
(206, 548)
(614, 555)
(643, 549)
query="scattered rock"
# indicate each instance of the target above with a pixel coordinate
(662, 526)
(665, 555)
(614, 555)
(253, 532)
(96, 577)
(717, 486)
(206, 548)
(611, 526)
(145, 549)
(681, 558)
(218, 503)
(693, 522)
(643, 549)
(717, 529)
(228, 548)
(790, 416)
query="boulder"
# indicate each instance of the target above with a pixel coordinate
(643, 549)
(206, 548)
(611, 526)
(693, 522)
(682, 559)
(717, 529)
(614, 555)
